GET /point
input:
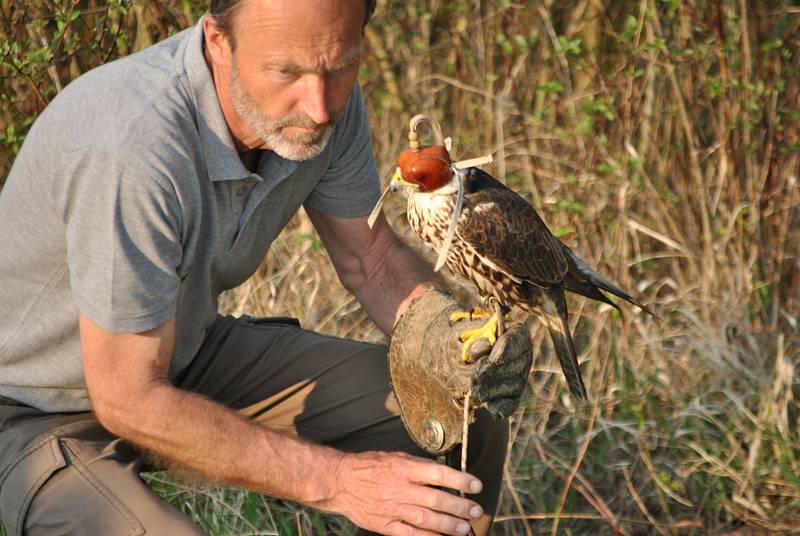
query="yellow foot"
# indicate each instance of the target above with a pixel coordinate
(488, 331)
(476, 312)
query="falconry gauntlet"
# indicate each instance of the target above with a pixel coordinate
(430, 379)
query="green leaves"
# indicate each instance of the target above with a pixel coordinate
(569, 46)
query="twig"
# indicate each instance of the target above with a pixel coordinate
(584, 487)
(568, 484)
(551, 32)
(695, 172)
(595, 517)
(638, 500)
(667, 241)
(517, 502)
(464, 439)
(465, 432)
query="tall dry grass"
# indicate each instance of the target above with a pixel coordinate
(657, 138)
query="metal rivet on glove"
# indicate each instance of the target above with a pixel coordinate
(434, 433)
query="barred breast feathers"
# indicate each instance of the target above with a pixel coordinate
(429, 215)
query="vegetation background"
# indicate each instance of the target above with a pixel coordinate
(660, 139)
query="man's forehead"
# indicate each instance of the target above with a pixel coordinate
(276, 29)
(297, 63)
(290, 14)
(316, 36)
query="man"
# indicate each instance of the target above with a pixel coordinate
(146, 188)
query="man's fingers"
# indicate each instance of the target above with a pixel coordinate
(441, 501)
(393, 494)
(429, 520)
(398, 528)
(441, 475)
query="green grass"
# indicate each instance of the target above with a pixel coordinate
(661, 140)
(225, 511)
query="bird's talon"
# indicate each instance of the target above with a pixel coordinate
(459, 315)
(476, 313)
(470, 337)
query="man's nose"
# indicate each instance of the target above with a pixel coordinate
(315, 99)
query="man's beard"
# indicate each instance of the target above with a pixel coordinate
(297, 147)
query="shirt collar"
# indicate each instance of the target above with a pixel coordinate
(222, 159)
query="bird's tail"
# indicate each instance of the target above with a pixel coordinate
(586, 282)
(557, 323)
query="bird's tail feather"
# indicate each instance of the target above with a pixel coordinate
(558, 325)
(595, 281)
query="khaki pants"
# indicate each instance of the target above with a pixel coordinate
(65, 474)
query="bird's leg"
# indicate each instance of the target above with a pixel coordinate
(490, 331)
(487, 331)
(501, 321)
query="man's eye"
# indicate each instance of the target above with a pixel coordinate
(284, 74)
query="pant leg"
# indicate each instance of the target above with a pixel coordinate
(328, 390)
(66, 475)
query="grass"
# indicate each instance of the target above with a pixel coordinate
(659, 139)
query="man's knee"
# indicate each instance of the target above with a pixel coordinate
(75, 501)
(70, 503)
(64, 486)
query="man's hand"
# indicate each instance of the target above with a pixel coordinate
(430, 379)
(391, 493)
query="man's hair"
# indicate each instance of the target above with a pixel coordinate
(225, 10)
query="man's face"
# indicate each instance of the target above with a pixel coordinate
(293, 69)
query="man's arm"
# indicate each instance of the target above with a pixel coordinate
(126, 376)
(373, 264)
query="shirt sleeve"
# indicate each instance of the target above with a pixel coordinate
(350, 186)
(123, 236)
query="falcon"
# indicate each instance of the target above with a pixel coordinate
(502, 246)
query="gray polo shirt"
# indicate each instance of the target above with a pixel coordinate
(128, 203)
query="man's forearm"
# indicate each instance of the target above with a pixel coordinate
(215, 441)
(399, 277)
(373, 264)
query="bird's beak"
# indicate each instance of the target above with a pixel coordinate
(398, 182)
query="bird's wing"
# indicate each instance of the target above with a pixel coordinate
(506, 232)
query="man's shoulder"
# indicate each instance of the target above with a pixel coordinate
(352, 124)
(111, 103)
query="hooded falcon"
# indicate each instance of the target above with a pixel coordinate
(502, 246)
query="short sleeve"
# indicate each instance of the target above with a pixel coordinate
(350, 186)
(123, 245)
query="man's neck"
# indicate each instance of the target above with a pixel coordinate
(247, 154)
(250, 159)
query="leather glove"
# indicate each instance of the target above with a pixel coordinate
(430, 380)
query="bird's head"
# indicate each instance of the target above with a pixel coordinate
(426, 169)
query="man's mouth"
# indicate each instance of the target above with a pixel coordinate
(315, 128)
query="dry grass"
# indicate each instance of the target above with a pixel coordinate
(660, 140)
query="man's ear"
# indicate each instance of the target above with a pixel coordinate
(217, 43)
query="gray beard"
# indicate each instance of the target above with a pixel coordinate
(300, 147)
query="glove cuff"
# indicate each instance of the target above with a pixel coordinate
(423, 309)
